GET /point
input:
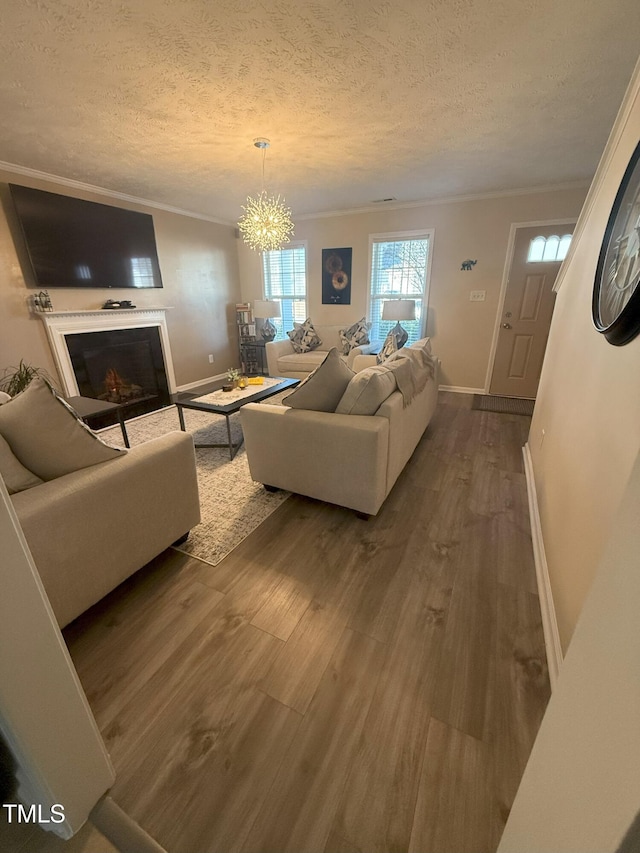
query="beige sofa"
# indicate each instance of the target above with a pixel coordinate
(283, 360)
(346, 459)
(92, 514)
(91, 529)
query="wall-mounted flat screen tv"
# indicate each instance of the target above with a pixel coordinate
(77, 243)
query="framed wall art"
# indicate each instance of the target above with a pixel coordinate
(336, 276)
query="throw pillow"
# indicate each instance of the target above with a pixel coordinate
(47, 436)
(367, 391)
(389, 347)
(16, 477)
(423, 344)
(322, 390)
(355, 336)
(304, 337)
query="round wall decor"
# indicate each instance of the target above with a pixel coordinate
(616, 291)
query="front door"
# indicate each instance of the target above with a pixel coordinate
(527, 310)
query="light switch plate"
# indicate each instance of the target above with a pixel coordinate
(477, 295)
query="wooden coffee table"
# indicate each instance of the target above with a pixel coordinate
(214, 401)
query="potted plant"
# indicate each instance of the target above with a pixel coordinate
(16, 379)
(233, 374)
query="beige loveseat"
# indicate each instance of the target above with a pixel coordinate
(348, 459)
(283, 360)
(91, 528)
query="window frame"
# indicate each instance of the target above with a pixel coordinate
(400, 236)
(279, 322)
(555, 260)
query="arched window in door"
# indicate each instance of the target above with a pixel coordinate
(545, 249)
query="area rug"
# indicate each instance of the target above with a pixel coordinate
(231, 504)
(504, 405)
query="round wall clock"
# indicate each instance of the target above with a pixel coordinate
(616, 292)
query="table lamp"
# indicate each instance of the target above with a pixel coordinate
(399, 309)
(263, 309)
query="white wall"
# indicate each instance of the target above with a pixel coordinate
(581, 787)
(462, 331)
(588, 402)
(44, 714)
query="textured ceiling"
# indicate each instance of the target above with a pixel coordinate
(361, 99)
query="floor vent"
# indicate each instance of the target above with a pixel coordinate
(504, 405)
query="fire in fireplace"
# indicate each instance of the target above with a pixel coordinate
(118, 390)
(121, 373)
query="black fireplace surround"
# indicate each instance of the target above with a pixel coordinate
(124, 366)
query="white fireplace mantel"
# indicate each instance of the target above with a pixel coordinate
(61, 323)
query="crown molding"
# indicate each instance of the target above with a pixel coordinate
(36, 174)
(454, 199)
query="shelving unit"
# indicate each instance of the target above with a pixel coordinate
(254, 359)
(252, 353)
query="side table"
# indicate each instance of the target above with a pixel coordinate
(87, 407)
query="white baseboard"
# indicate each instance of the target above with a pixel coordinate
(204, 381)
(549, 621)
(458, 389)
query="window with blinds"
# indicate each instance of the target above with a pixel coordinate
(285, 279)
(399, 265)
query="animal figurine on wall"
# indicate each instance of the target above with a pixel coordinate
(468, 265)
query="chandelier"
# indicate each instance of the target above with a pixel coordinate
(266, 223)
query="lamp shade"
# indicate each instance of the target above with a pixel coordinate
(399, 309)
(264, 308)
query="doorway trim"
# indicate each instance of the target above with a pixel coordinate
(569, 220)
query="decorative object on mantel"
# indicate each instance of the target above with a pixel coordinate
(42, 302)
(266, 223)
(122, 303)
(336, 276)
(615, 302)
(468, 265)
(265, 309)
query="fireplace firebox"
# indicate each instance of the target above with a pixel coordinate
(124, 366)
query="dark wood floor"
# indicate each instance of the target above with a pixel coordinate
(336, 684)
